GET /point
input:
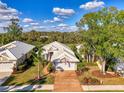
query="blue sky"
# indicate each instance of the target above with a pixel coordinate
(50, 15)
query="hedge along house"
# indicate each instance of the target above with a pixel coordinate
(62, 57)
(13, 54)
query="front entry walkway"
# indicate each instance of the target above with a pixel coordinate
(67, 81)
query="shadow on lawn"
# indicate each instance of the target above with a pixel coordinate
(34, 81)
(30, 84)
(27, 64)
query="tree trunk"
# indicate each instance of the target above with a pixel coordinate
(93, 57)
(103, 67)
(90, 58)
(87, 58)
(38, 71)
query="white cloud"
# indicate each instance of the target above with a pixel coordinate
(25, 26)
(7, 13)
(61, 28)
(92, 5)
(34, 24)
(55, 19)
(4, 9)
(64, 28)
(27, 20)
(62, 25)
(62, 11)
(37, 28)
(4, 24)
(48, 21)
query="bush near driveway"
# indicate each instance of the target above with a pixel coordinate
(51, 68)
(90, 81)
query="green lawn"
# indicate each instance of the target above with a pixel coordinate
(106, 81)
(28, 77)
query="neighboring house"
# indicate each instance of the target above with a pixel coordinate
(13, 54)
(62, 57)
(119, 67)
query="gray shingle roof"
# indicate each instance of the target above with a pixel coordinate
(20, 49)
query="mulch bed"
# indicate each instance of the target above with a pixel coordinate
(97, 73)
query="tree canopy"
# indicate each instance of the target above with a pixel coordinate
(104, 36)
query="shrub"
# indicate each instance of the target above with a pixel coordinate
(90, 81)
(85, 69)
(21, 67)
(80, 66)
(51, 67)
(50, 79)
(81, 70)
(85, 81)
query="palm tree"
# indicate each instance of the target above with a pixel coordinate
(38, 58)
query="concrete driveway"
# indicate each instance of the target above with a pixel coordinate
(67, 81)
(4, 76)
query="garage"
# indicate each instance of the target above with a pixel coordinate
(6, 66)
(65, 66)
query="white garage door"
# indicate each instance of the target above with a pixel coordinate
(65, 66)
(6, 67)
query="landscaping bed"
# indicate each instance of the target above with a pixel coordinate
(87, 76)
(97, 73)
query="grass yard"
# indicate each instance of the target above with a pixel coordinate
(106, 81)
(28, 77)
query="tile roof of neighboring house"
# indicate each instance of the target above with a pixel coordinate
(17, 48)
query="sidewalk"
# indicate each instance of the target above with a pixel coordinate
(102, 87)
(26, 87)
(51, 87)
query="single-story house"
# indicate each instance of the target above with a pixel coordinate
(13, 54)
(62, 57)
